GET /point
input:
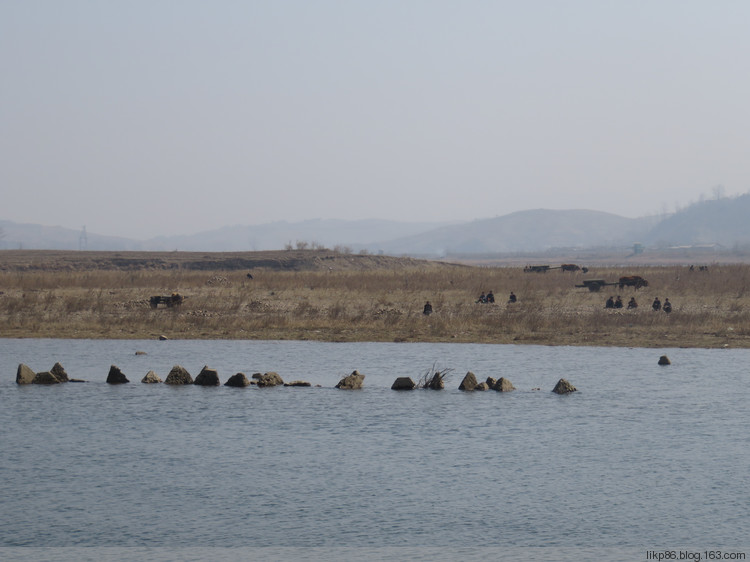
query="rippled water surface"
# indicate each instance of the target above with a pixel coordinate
(641, 457)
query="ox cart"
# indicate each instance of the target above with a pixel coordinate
(175, 299)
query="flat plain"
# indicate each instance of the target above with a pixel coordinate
(330, 296)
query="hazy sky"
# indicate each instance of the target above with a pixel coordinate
(139, 118)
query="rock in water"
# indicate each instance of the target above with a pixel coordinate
(59, 372)
(116, 376)
(207, 377)
(178, 375)
(270, 379)
(151, 378)
(45, 377)
(563, 387)
(469, 382)
(238, 380)
(403, 383)
(351, 382)
(24, 374)
(503, 385)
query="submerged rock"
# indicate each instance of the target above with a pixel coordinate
(45, 377)
(151, 378)
(179, 375)
(116, 376)
(238, 380)
(297, 383)
(664, 360)
(351, 382)
(207, 377)
(24, 374)
(59, 372)
(503, 385)
(269, 379)
(563, 387)
(403, 383)
(469, 382)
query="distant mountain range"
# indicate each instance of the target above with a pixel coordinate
(724, 222)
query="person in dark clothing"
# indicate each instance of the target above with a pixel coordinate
(632, 303)
(610, 303)
(667, 306)
(656, 304)
(490, 297)
(512, 297)
(427, 309)
(618, 302)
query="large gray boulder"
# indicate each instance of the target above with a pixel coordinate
(238, 380)
(503, 385)
(178, 375)
(207, 377)
(116, 376)
(151, 378)
(469, 382)
(351, 382)
(45, 377)
(270, 378)
(403, 383)
(563, 387)
(24, 374)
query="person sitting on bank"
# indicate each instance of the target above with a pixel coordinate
(618, 302)
(482, 298)
(632, 303)
(656, 304)
(427, 309)
(490, 297)
(610, 303)
(512, 297)
(667, 306)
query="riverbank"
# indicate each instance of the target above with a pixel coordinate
(320, 295)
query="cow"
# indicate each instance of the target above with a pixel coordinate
(635, 281)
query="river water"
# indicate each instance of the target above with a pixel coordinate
(642, 458)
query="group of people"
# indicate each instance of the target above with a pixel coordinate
(617, 303)
(490, 298)
(656, 305)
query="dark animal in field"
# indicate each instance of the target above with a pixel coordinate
(175, 299)
(635, 281)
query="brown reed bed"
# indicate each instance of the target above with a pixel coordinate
(711, 309)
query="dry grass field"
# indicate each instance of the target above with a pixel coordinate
(322, 295)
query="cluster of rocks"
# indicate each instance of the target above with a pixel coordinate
(178, 376)
(55, 375)
(470, 384)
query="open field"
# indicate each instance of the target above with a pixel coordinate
(321, 295)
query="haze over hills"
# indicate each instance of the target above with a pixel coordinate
(722, 221)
